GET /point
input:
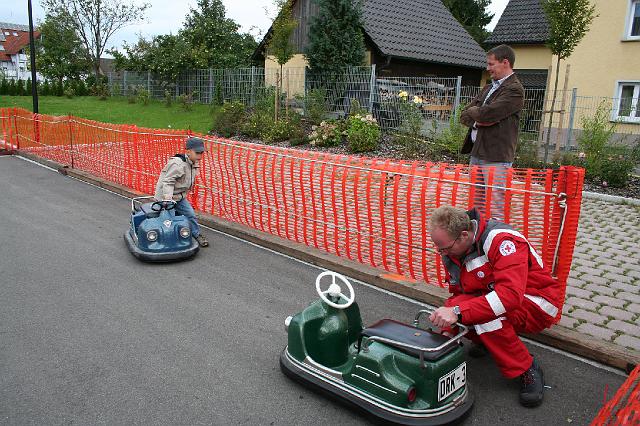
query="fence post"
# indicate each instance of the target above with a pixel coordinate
(372, 87)
(210, 86)
(252, 100)
(456, 102)
(149, 83)
(70, 139)
(572, 117)
(124, 82)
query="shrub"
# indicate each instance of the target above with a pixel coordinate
(315, 104)
(596, 133)
(449, 141)
(229, 120)
(99, 90)
(527, 154)
(260, 119)
(409, 134)
(363, 133)
(328, 133)
(81, 88)
(4, 87)
(11, 88)
(19, 90)
(168, 98)
(143, 95)
(69, 92)
(186, 101)
(28, 88)
(116, 89)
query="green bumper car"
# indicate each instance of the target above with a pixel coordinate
(396, 372)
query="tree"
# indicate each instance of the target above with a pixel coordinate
(214, 39)
(60, 53)
(165, 56)
(473, 16)
(336, 39)
(95, 21)
(569, 21)
(280, 45)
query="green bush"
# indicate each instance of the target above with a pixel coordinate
(615, 170)
(315, 105)
(409, 135)
(527, 154)
(596, 133)
(81, 88)
(449, 141)
(229, 120)
(19, 88)
(168, 98)
(4, 87)
(143, 95)
(101, 91)
(28, 88)
(69, 92)
(11, 88)
(186, 101)
(363, 133)
(260, 118)
(116, 89)
(328, 133)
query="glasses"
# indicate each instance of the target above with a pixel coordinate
(446, 249)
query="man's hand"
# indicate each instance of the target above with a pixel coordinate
(443, 317)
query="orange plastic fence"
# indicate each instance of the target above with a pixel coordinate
(373, 211)
(624, 408)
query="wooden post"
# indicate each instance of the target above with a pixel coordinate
(286, 102)
(544, 107)
(277, 94)
(562, 108)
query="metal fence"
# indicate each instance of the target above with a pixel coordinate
(391, 100)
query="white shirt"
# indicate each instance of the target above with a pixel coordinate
(494, 86)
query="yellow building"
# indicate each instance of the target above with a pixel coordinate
(604, 67)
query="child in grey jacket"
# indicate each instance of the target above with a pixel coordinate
(177, 178)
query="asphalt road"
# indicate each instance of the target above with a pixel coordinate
(90, 335)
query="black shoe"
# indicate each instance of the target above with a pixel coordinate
(478, 350)
(202, 240)
(532, 386)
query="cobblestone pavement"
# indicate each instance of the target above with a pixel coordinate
(603, 291)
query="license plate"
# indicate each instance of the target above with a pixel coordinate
(451, 382)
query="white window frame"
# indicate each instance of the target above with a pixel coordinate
(628, 25)
(635, 103)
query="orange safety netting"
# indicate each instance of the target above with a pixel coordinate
(373, 211)
(624, 408)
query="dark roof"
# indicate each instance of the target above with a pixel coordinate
(422, 30)
(522, 22)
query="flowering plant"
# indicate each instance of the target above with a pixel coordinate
(363, 133)
(328, 133)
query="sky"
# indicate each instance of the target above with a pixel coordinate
(165, 16)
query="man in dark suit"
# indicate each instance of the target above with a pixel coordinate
(493, 118)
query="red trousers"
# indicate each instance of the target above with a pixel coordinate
(500, 336)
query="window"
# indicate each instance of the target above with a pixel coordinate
(627, 105)
(633, 24)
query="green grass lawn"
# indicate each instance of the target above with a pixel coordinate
(118, 110)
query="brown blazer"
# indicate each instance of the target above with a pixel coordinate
(496, 141)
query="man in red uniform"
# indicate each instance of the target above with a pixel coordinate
(500, 288)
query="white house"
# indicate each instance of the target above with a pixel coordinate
(14, 39)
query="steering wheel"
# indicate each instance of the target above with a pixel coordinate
(335, 290)
(160, 205)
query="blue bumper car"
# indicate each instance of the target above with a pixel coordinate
(157, 233)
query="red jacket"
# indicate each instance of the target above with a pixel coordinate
(501, 269)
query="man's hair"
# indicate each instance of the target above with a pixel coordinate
(451, 219)
(503, 52)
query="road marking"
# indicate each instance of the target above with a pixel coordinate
(381, 290)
